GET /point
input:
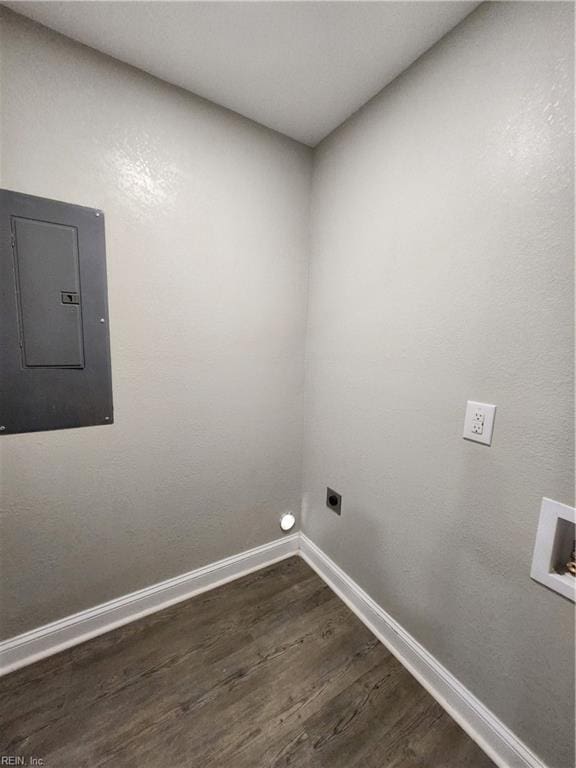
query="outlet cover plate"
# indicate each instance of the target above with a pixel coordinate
(479, 422)
(334, 501)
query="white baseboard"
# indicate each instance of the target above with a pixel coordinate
(499, 743)
(51, 638)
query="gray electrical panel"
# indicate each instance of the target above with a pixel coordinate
(54, 338)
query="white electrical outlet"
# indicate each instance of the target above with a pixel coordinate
(479, 422)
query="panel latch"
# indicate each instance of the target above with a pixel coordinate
(70, 297)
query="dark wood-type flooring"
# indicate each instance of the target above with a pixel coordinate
(269, 670)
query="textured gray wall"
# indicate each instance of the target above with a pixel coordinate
(442, 270)
(207, 224)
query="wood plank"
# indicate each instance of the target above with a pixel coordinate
(269, 670)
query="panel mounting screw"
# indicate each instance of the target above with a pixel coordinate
(2, 428)
(102, 320)
(97, 213)
(106, 418)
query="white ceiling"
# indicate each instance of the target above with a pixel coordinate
(301, 68)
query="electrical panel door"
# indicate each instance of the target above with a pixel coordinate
(54, 355)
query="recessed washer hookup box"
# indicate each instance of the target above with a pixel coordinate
(54, 334)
